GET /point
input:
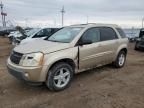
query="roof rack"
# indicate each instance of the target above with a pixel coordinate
(83, 24)
(93, 24)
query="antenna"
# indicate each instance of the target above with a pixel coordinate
(62, 12)
(142, 22)
(87, 19)
(1, 6)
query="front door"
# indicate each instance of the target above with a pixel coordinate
(88, 54)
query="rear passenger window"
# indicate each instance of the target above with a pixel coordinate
(121, 32)
(107, 33)
(92, 34)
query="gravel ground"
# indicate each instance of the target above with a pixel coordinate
(104, 87)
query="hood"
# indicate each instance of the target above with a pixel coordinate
(41, 46)
(27, 40)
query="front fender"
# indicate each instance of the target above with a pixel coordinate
(50, 59)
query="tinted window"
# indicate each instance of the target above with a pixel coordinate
(121, 32)
(48, 32)
(32, 32)
(45, 32)
(141, 34)
(92, 34)
(41, 33)
(55, 30)
(107, 33)
(52, 31)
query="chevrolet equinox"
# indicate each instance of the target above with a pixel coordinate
(71, 50)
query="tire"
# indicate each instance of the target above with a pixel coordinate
(120, 60)
(136, 46)
(10, 40)
(59, 77)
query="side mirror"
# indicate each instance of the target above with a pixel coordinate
(84, 42)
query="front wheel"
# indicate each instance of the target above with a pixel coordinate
(120, 61)
(59, 76)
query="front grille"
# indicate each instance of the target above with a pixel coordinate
(16, 57)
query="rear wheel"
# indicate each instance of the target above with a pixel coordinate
(59, 76)
(120, 61)
(136, 46)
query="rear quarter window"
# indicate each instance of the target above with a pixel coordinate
(121, 32)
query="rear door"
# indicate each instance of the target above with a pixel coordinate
(108, 45)
(101, 51)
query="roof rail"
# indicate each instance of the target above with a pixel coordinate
(82, 24)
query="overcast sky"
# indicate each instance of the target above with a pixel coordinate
(126, 13)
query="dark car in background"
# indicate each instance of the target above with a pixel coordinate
(140, 41)
(132, 34)
(5, 32)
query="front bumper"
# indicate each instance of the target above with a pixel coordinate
(29, 74)
(19, 75)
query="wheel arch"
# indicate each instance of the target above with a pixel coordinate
(66, 60)
(122, 48)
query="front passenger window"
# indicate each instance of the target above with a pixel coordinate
(92, 34)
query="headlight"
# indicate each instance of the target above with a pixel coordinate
(33, 59)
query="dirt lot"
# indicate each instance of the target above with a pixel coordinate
(104, 87)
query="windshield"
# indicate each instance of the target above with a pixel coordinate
(65, 35)
(32, 32)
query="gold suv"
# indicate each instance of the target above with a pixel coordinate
(71, 50)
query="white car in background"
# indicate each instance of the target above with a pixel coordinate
(35, 34)
(15, 34)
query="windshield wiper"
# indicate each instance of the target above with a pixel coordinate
(57, 41)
